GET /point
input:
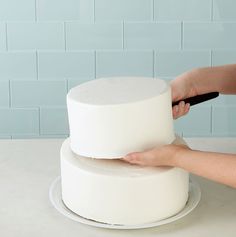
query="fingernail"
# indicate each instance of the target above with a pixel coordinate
(127, 157)
(176, 109)
(182, 104)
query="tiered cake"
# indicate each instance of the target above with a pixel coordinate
(109, 118)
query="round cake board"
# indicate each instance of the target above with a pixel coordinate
(56, 200)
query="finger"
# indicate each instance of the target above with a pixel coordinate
(175, 111)
(179, 110)
(187, 108)
(140, 158)
(132, 157)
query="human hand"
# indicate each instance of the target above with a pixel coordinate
(159, 156)
(182, 87)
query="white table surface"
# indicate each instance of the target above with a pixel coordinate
(27, 168)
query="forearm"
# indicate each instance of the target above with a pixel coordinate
(209, 79)
(219, 167)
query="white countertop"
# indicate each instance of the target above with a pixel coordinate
(27, 168)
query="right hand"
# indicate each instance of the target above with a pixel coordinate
(182, 87)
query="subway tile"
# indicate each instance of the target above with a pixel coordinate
(19, 121)
(124, 63)
(183, 10)
(66, 65)
(225, 100)
(173, 63)
(35, 35)
(93, 35)
(224, 118)
(76, 82)
(222, 57)
(65, 10)
(15, 10)
(196, 123)
(222, 100)
(4, 93)
(18, 65)
(128, 10)
(224, 10)
(82, 10)
(2, 37)
(58, 10)
(5, 136)
(53, 121)
(209, 35)
(38, 93)
(155, 35)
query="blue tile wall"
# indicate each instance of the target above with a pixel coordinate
(124, 63)
(93, 35)
(53, 121)
(123, 10)
(4, 94)
(182, 10)
(152, 35)
(38, 93)
(191, 125)
(50, 46)
(14, 10)
(224, 10)
(66, 65)
(19, 121)
(35, 35)
(214, 35)
(173, 63)
(224, 120)
(18, 65)
(2, 36)
(57, 10)
(223, 57)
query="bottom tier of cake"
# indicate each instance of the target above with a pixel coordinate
(115, 192)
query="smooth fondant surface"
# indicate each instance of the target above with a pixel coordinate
(111, 117)
(115, 192)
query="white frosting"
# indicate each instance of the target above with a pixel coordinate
(115, 192)
(111, 117)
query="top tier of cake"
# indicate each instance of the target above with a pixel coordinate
(117, 90)
(111, 117)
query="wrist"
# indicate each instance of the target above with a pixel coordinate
(193, 81)
(180, 153)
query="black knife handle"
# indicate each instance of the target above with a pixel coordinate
(198, 99)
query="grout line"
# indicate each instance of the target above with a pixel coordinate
(37, 65)
(123, 35)
(94, 14)
(67, 85)
(153, 63)
(64, 28)
(6, 37)
(39, 121)
(10, 93)
(182, 35)
(211, 61)
(95, 64)
(153, 11)
(35, 10)
(212, 5)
